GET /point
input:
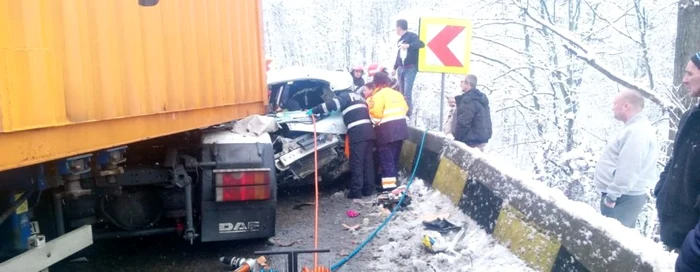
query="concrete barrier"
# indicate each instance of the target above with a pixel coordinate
(537, 223)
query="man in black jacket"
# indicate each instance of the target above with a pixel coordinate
(407, 61)
(689, 255)
(472, 120)
(678, 190)
(360, 133)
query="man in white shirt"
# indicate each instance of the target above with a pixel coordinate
(627, 167)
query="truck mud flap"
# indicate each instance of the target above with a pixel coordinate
(237, 221)
(238, 218)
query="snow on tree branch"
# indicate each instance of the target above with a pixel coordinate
(620, 79)
(484, 23)
(578, 48)
(689, 3)
(476, 37)
(610, 24)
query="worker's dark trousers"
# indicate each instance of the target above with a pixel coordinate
(389, 160)
(362, 166)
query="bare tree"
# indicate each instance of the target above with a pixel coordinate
(581, 51)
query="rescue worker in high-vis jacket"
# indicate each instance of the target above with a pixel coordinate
(360, 134)
(388, 108)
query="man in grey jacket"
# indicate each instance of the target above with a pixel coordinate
(627, 167)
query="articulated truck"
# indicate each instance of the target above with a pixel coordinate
(115, 121)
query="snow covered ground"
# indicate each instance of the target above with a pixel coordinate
(398, 246)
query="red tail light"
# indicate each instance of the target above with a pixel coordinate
(242, 177)
(242, 184)
(243, 193)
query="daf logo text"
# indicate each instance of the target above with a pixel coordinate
(239, 227)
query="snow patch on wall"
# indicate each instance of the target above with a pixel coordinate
(649, 251)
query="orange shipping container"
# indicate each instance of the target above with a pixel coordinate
(82, 75)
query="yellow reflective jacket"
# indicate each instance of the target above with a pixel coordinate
(385, 105)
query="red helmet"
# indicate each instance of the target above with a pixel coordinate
(374, 68)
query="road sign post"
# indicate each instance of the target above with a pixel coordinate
(447, 50)
(442, 100)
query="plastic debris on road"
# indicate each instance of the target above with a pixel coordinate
(352, 213)
(400, 247)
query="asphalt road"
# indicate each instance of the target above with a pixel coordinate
(294, 225)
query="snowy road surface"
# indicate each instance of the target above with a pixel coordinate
(399, 248)
(396, 248)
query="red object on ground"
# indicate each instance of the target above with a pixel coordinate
(352, 213)
(316, 269)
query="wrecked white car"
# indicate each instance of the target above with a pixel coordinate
(293, 91)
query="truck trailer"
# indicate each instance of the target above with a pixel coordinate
(115, 122)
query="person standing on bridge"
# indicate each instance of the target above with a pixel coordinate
(360, 134)
(406, 64)
(678, 190)
(387, 108)
(471, 119)
(627, 167)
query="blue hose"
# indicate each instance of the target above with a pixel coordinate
(396, 208)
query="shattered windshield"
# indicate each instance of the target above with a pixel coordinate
(299, 95)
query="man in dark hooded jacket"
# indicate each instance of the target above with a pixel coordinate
(678, 190)
(472, 122)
